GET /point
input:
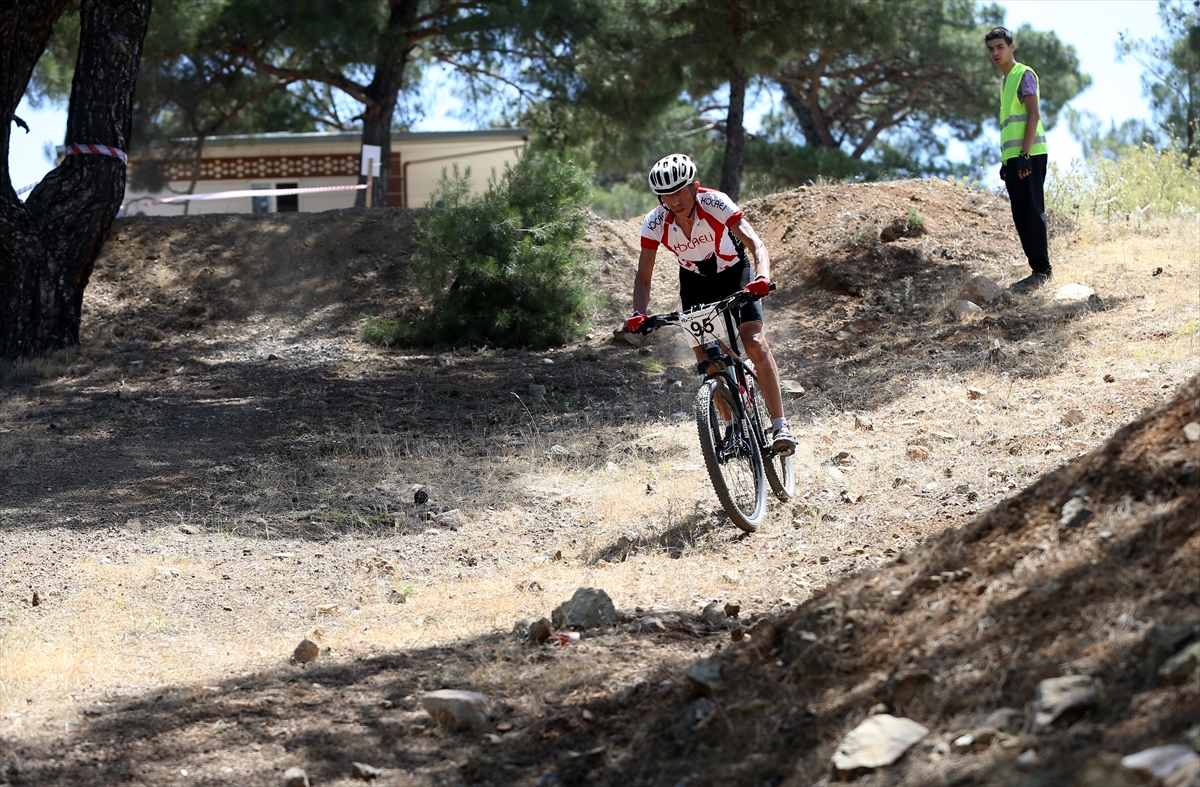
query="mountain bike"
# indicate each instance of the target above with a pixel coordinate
(731, 416)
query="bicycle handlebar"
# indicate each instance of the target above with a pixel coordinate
(741, 297)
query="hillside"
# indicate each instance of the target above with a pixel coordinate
(223, 469)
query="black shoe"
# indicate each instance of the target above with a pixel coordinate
(1031, 282)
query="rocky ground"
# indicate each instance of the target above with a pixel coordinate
(223, 469)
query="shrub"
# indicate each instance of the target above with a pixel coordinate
(1140, 179)
(504, 268)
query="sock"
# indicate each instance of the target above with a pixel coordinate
(778, 423)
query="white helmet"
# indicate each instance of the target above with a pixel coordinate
(672, 173)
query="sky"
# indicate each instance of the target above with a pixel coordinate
(1091, 26)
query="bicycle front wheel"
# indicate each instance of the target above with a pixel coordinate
(733, 458)
(781, 472)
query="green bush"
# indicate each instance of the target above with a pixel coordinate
(1138, 180)
(504, 268)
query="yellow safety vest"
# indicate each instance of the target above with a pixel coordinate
(1013, 116)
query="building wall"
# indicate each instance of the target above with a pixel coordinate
(315, 160)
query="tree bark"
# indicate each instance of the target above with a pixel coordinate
(735, 134)
(384, 91)
(49, 243)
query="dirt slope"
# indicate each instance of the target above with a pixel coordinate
(222, 421)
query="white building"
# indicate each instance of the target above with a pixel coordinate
(300, 161)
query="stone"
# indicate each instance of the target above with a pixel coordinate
(1073, 417)
(457, 709)
(879, 741)
(705, 675)
(635, 339)
(980, 289)
(1004, 719)
(1160, 761)
(539, 631)
(360, 770)
(305, 652)
(1182, 666)
(295, 777)
(791, 388)
(1062, 699)
(976, 393)
(588, 608)
(732, 609)
(1074, 513)
(452, 519)
(1070, 293)
(1192, 431)
(917, 452)
(965, 311)
(713, 614)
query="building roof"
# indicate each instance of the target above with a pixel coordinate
(284, 137)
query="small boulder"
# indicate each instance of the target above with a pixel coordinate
(680, 374)
(540, 631)
(1161, 761)
(705, 675)
(965, 311)
(364, 772)
(588, 608)
(879, 741)
(1182, 666)
(714, 615)
(980, 289)
(1073, 292)
(1062, 699)
(305, 652)
(1191, 431)
(452, 519)
(458, 710)
(295, 777)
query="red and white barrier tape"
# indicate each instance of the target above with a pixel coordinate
(21, 191)
(99, 150)
(249, 193)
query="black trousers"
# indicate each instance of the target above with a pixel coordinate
(1028, 201)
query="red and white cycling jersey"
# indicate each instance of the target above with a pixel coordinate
(715, 212)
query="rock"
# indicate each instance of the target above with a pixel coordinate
(305, 652)
(679, 374)
(705, 675)
(976, 393)
(879, 741)
(589, 608)
(918, 452)
(1073, 292)
(1182, 666)
(420, 496)
(713, 615)
(1105, 770)
(360, 770)
(1192, 432)
(965, 311)
(651, 622)
(559, 450)
(540, 631)
(1004, 719)
(537, 394)
(697, 715)
(1028, 759)
(980, 289)
(295, 777)
(1062, 699)
(635, 339)
(452, 519)
(733, 609)
(791, 388)
(1074, 513)
(456, 709)
(1160, 761)
(395, 596)
(1073, 417)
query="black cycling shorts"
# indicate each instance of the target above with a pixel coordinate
(695, 289)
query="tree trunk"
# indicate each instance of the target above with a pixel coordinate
(735, 134)
(390, 59)
(49, 243)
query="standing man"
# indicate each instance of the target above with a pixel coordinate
(709, 236)
(1023, 156)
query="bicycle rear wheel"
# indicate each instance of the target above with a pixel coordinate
(780, 471)
(734, 461)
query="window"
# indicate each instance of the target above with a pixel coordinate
(260, 204)
(287, 203)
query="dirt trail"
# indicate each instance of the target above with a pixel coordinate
(224, 463)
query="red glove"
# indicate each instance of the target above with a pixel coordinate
(634, 323)
(760, 286)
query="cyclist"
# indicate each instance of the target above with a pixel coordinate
(709, 236)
